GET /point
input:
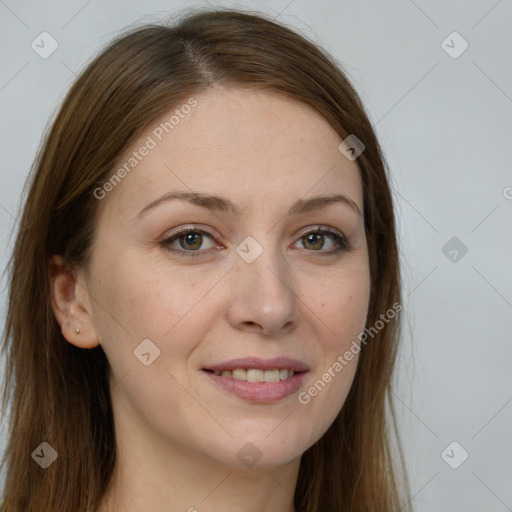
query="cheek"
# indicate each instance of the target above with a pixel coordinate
(141, 303)
(135, 302)
(342, 309)
(146, 299)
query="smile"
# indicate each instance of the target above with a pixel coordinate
(256, 374)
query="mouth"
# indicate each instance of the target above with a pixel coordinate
(256, 374)
(259, 380)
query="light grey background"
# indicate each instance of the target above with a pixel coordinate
(445, 125)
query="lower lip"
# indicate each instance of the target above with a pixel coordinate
(259, 392)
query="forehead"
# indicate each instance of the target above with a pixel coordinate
(255, 147)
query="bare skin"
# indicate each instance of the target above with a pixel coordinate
(179, 434)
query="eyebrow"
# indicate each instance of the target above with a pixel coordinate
(220, 204)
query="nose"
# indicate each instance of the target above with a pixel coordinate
(262, 296)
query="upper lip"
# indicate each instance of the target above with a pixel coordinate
(260, 364)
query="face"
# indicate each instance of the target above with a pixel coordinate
(246, 274)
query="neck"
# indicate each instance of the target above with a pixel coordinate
(195, 487)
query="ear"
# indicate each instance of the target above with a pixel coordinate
(71, 305)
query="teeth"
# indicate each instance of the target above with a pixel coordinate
(271, 376)
(238, 374)
(257, 375)
(254, 375)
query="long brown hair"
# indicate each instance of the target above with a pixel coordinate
(59, 393)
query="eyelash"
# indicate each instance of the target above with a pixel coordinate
(343, 244)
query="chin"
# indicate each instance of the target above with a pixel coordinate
(264, 450)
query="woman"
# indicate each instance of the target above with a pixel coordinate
(204, 290)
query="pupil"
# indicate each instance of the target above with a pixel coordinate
(191, 241)
(316, 240)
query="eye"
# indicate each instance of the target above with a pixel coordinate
(192, 241)
(189, 241)
(324, 240)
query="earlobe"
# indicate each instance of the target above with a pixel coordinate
(74, 317)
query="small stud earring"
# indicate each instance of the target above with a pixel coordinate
(77, 330)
